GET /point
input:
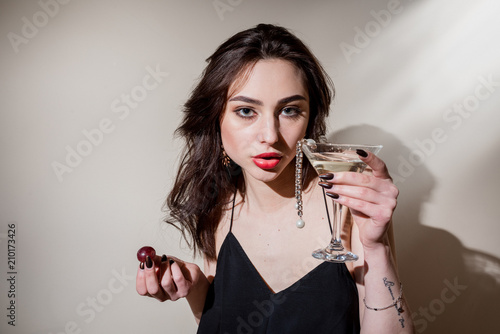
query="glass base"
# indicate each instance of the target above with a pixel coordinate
(334, 256)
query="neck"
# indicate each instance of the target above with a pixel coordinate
(270, 197)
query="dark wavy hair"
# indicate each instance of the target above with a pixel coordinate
(204, 186)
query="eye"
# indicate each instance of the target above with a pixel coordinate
(245, 112)
(290, 111)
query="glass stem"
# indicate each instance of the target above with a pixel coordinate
(336, 242)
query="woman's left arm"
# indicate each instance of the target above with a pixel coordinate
(372, 198)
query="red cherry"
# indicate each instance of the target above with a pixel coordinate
(144, 252)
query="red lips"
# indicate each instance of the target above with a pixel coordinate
(267, 160)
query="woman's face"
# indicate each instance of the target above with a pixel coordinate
(264, 118)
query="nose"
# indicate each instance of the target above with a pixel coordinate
(269, 130)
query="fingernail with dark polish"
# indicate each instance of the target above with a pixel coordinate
(170, 261)
(163, 258)
(149, 262)
(141, 265)
(327, 176)
(326, 185)
(361, 153)
(332, 195)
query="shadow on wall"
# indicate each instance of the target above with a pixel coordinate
(451, 289)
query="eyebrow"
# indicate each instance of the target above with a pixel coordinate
(260, 103)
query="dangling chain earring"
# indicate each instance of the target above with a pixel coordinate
(298, 184)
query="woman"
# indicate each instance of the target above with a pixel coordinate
(262, 92)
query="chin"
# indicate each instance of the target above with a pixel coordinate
(265, 175)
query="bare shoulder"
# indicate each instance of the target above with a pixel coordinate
(223, 228)
(209, 268)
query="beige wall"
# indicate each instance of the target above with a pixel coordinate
(420, 77)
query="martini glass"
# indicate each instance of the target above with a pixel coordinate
(334, 158)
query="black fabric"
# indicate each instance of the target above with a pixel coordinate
(239, 302)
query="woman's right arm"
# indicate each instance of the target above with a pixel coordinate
(171, 278)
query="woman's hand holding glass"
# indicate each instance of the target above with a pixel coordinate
(371, 197)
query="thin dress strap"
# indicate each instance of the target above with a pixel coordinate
(232, 210)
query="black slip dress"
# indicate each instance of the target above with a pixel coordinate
(325, 300)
